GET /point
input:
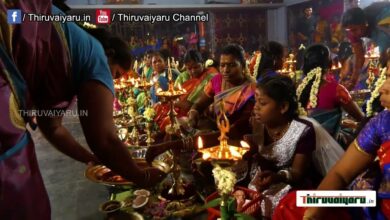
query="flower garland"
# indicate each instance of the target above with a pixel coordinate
(149, 113)
(375, 93)
(225, 180)
(257, 64)
(316, 74)
(209, 63)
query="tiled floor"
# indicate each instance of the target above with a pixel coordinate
(72, 196)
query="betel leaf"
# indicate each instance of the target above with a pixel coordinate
(241, 216)
(213, 203)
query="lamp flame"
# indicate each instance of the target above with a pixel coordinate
(200, 143)
(234, 153)
(244, 144)
(206, 155)
(122, 133)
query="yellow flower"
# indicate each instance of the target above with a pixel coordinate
(225, 180)
(149, 113)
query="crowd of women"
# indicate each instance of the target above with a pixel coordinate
(293, 127)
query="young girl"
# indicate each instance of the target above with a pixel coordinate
(285, 143)
(320, 95)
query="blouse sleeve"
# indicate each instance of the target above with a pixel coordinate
(368, 139)
(343, 95)
(307, 142)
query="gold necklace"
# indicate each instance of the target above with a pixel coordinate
(275, 136)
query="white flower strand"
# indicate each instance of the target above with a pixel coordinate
(257, 64)
(375, 93)
(225, 180)
(316, 72)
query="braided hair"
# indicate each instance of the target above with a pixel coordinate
(271, 57)
(315, 56)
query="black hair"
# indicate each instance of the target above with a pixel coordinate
(315, 56)
(345, 51)
(333, 44)
(353, 16)
(165, 54)
(281, 89)
(236, 51)
(115, 48)
(149, 52)
(270, 54)
(193, 55)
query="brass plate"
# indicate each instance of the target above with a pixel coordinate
(103, 175)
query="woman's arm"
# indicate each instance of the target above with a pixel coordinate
(346, 169)
(299, 168)
(358, 50)
(347, 103)
(100, 133)
(352, 163)
(198, 107)
(354, 110)
(60, 138)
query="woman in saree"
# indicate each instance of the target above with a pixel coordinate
(32, 78)
(271, 60)
(234, 87)
(363, 25)
(146, 69)
(320, 95)
(283, 146)
(193, 80)
(373, 141)
(159, 77)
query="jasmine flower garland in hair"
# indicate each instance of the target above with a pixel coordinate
(209, 63)
(257, 64)
(316, 74)
(375, 93)
(314, 89)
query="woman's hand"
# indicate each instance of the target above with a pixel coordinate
(193, 118)
(266, 179)
(153, 176)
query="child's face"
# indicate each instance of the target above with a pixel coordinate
(266, 109)
(385, 89)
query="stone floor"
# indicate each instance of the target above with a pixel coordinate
(72, 196)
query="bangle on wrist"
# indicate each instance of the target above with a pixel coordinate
(286, 174)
